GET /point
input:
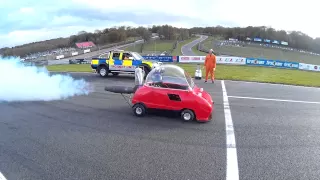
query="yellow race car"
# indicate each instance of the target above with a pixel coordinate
(119, 61)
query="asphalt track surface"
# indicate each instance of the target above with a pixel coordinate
(186, 50)
(97, 136)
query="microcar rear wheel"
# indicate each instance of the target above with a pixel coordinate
(139, 110)
(187, 115)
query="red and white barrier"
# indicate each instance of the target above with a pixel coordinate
(220, 59)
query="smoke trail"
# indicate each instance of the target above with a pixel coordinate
(19, 82)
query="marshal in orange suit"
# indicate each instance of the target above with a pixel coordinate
(210, 65)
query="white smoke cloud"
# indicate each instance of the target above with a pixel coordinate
(19, 82)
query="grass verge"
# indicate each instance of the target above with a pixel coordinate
(197, 52)
(159, 45)
(229, 72)
(135, 48)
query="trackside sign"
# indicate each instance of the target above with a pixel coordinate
(191, 59)
(220, 59)
(231, 60)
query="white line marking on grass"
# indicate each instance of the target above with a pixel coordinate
(279, 100)
(2, 177)
(232, 159)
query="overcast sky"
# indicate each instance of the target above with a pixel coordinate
(24, 21)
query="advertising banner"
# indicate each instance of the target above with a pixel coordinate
(309, 67)
(291, 65)
(220, 59)
(256, 61)
(161, 58)
(231, 60)
(304, 66)
(191, 59)
(272, 63)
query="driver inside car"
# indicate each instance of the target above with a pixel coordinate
(157, 79)
(126, 57)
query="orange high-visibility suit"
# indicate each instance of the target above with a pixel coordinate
(210, 64)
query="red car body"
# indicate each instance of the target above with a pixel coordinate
(175, 94)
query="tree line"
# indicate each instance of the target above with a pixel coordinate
(99, 37)
(295, 39)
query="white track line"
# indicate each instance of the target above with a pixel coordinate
(274, 84)
(2, 177)
(279, 100)
(232, 159)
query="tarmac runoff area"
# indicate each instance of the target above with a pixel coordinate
(258, 131)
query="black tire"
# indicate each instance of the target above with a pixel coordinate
(139, 110)
(103, 71)
(115, 73)
(187, 115)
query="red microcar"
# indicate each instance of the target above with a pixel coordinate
(169, 87)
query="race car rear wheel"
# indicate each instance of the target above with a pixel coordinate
(139, 110)
(187, 115)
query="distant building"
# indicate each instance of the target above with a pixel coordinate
(84, 45)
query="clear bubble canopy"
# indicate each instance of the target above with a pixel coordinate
(169, 76)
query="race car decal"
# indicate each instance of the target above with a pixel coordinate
(121, 68)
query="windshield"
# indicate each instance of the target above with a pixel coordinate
(168, 76)
(189, 80)
(137, 56)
